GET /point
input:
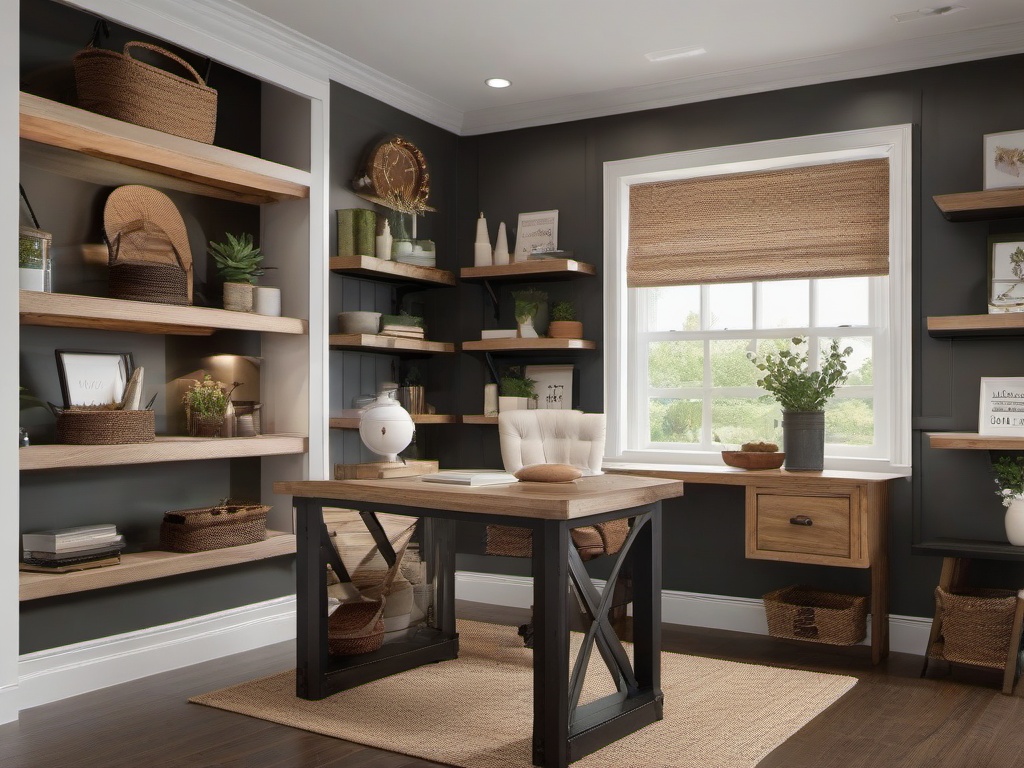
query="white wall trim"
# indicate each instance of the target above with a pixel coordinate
(907, 634)
(57, 673)
(8, 704)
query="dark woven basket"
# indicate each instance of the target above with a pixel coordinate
(590, 540)
(158, 283)
(93, 426)
(802, 613)
(977, 625)
(120, 86)
(205, 528)
(356, 628)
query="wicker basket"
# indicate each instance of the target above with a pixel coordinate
(205, 528)
(356, 628)
(82, 425)
(977, 625)
(120, 86)
(159, 283)
(802, 613)
(590, 540)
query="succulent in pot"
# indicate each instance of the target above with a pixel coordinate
(238, 262)
(564, 324)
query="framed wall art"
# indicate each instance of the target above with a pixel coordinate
(1002, 407)
(553, 386)
(1006, 273)
(93, 378)
(1004, 159)
(537, 231)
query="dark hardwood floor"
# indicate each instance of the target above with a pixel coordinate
(891, 718)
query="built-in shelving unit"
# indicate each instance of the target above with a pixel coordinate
(62, 310)
(391, 271)
(989, 550)
(393, 345)
(982, 206)
(143, 566)
(526, 345)
(974, 441)
(340, 422)
(81, 144)
(163, 449)
(535, 269)
(1002, 324)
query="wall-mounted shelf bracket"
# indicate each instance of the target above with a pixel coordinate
(489, 287)
(492, 367)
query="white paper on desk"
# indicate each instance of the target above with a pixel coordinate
(473, 477)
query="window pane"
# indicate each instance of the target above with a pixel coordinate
(676, 308)
(730, 306)
(850, 421)
(730, 366)
(737, 420)
(843, 301)
(858, 364)
(674, 420)
(785, 304)
(675, 363)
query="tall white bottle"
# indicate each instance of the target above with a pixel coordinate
(482, 245)
(501, 246)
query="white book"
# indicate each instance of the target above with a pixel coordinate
(60, 539)
(499, 333)
(471, 477)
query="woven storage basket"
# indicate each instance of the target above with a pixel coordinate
(120, 86)
(205, 528)
(977, 625)
(802, 613)
(83, 425)
(159, 283)
(590, 540)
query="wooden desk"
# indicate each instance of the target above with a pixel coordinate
(562, 730)
(822, 518)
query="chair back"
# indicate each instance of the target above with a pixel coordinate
(552, 437)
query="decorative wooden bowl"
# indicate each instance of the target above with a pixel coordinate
(753, 459)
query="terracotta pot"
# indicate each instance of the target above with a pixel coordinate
(238, 297)
(565, 329)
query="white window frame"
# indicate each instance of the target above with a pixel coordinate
(620, 369)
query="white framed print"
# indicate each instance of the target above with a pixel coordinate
(537, 231)
(1002, 407)
(553, 386)
(93, 378)
(1004, 160)
(1006, 273)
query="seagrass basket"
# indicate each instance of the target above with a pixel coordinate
(86, 425)
(206, 528)
(120, 86)
(803, 613)
(158, 283)
(356, 628)
(977, 625)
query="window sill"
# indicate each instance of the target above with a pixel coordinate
(678, 461)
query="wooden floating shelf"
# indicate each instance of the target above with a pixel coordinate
(973, 441)
(990, 550)
(535, 269)
(1002, 324)
(980, 206)
(479, 419)
(62, 310)
(395, 271)
(526, 345)
(163, 449)
(144, 566)
(420, 418)
(105, 151)
(366, 342)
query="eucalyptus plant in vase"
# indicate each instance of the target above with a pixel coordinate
(802, 391)
(1010, 483)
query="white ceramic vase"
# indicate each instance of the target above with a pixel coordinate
(267, 301)
(30, 279)
(1014, 521)
(516, 403)
(527, 330)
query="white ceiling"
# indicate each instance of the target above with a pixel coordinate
(579, 58)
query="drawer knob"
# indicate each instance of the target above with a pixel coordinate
(801, 520)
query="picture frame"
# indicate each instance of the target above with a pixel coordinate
(90, 377)
(1006, 273)
(553, 386)
(1004, 160)
(536, 231)
(1001, 408)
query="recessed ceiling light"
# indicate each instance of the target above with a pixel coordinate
(498, 82)
(924, 13)
(675, 53)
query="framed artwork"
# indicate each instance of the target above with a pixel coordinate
(537, 231)
(1004, 159)
(93, 378)
(553, 386)
(1006, 273)
(1002, 407)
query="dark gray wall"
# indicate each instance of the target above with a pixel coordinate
(951, 108)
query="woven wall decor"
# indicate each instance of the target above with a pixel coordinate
(828, 220)
(395, 175)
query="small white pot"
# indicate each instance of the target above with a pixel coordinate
(526, 330)
(267, 301)
(238, 297)
(30, 279)
(515, 403)
(1014, 521)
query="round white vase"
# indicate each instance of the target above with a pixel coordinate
(385, 427)
(1014, 521)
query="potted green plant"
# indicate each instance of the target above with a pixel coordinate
(238, 262)
(527, 306)
(1010, 484)
(206, 402)
(412, 393)
(802, 391)
(516, 393)
(564, 324)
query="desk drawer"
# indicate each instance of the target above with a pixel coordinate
(803, 528)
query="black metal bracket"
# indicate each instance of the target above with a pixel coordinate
(492, 367)
(489, 287)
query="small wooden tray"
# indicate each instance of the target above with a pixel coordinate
(382, 470)
(754, 459)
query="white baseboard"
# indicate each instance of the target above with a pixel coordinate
(57, 673)
(907, 634)
(8, 704)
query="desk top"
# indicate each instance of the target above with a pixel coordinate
(548, 501)
(721, 475)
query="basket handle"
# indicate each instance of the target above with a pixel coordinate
(114, 246)
(163, 52)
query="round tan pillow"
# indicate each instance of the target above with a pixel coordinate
(549, 473)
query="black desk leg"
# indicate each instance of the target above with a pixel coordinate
(550, 644)
(311, 601)
(646, 553)
(439, 550)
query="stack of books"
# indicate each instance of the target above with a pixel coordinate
(71, 549)
(403, 331)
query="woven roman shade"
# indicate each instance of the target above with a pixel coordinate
(828, 220)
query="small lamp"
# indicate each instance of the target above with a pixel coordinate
(385, 427)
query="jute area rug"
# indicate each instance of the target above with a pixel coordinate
(476, 711)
